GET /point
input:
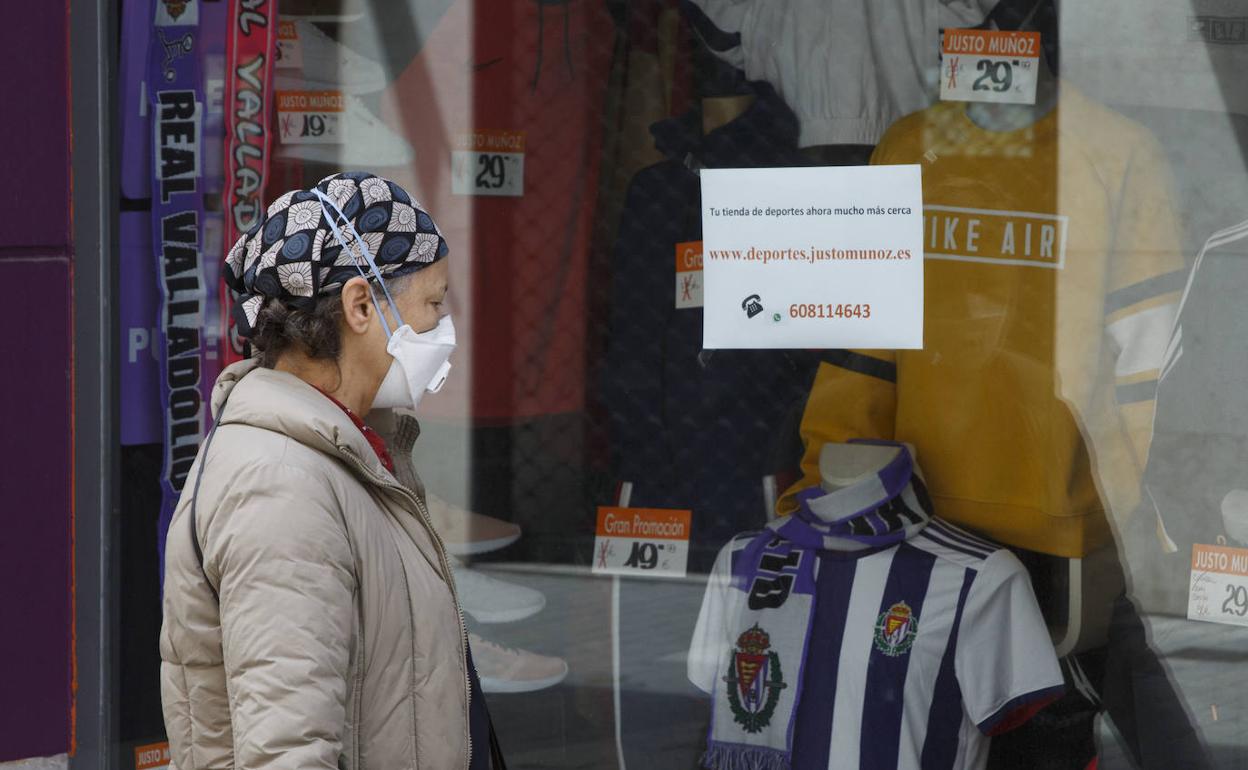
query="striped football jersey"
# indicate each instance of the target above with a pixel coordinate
(918, 653)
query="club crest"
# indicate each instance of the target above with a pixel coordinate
(754, 680)
(895, 630)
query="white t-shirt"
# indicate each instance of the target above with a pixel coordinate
(848, 69)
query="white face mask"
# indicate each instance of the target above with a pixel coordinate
(420, 365)
(420, 360)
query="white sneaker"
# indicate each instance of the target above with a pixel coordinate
(489, 600)
(507, 670)
(366, 142)
(329, 66)
(466, 533)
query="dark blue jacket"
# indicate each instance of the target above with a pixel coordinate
(695, 429)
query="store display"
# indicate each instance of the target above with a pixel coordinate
(509, 670)
(365, 141)
(325, 64)
(490, 600)
(879, 622)
(863, 632)
(1035, 235)
(694, 429)
(848, 70)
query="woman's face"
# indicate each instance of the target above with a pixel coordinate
(421, 297)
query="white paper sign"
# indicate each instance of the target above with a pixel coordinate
(979, 65)
(1218, 591)
(646, 542)
(813, 257)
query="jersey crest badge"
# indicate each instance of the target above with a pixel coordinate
(754, 680)
(895, 630)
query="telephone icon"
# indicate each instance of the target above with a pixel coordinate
(752, 305)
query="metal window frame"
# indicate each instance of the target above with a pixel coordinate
(93, 35)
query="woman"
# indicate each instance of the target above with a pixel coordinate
(310, 614)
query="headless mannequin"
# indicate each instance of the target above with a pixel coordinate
(1012, 117)
(843, 465)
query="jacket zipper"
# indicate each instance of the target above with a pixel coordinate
(382, 481)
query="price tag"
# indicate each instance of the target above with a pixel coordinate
(153, 756)
(688, 274)
(652, 542)
(289, 49)
(979, 65)
(488, 163)
(1218, 592)
(310, 117)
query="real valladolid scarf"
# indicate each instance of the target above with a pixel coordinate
(773, 584)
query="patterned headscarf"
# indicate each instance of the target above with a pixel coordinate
(293, 255)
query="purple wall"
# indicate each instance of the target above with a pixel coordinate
(34, 137)
(36, 478)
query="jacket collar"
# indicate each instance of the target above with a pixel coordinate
(247, 394)
(764, 135)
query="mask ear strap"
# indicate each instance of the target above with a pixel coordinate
(331, 209)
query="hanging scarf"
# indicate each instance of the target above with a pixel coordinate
(175, 86)
(250, 55)
(773, 579)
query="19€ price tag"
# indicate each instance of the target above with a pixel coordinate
(1218, 592)
(980, 65)
(488, 163)
(688, 274)
(289, 50)
(651, 542)
(310, 117)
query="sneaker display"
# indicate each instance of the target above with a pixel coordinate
(508, 670)
(489, 600)
(466, 533)
(329, 66)
(367, 142)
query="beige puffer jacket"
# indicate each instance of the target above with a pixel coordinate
(338, 640)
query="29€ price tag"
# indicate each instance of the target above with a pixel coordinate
(650, 542)
(980, 65)
(289, 50)
(310, 117)
(488, 163)
(1218, 592)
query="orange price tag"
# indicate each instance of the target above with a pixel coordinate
(1218, 592)
(982, 65)
(689, 274)
(153, 756)
(642, 541)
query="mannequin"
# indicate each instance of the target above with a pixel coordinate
(1011, 117)
(843, 465)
